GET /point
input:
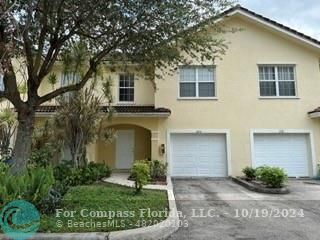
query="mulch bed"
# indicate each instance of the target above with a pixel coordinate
(257, 186)
(154, 181)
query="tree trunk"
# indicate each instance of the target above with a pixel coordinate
(22, 146)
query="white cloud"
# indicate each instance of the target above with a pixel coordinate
(303, 16)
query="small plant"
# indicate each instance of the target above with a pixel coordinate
(250, 173)
(158, 170)
(271, 176)
(141, 173)
(42, 157)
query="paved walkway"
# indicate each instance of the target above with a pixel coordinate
(223, 210)
(122, 179)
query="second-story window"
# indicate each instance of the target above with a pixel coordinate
(1, 83)
(197, 82)
(67, 79)
(277, 81)
(126, 88)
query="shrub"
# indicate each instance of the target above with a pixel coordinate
(141, 173)
(271, 176)
(96, 171)
(33, 185)
(250, 173)
(158, 169)
(52, 202)
(42, 157)
(68, 176)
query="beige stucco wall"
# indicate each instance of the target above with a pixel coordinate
(238, 107)
(144, 88)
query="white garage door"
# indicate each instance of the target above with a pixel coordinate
(198, 155)
(288, 151)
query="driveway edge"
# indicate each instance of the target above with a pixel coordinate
(159, 231)
(257, 189)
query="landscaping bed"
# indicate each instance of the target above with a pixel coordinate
(107, 198)
(256, 186)
(264, 179)
(154, 181)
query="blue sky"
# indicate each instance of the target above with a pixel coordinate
(302, 15)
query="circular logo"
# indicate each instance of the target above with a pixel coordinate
(19, 220)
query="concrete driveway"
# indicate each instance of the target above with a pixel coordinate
(221, 209)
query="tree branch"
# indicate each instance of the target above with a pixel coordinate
(7, 10)
(2, 94)
(42, 38)
(74, 87)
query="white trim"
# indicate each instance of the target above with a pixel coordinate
(314, 115)
(200, 131)
(134, 90)
(277, 81)
(273, 26)
(215, 97)
(287, 131)
(279, 97)
(197, 98)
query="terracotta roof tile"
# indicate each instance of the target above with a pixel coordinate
(118, 109)
(299, 34)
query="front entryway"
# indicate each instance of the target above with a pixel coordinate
(124, 149)
(198, 155)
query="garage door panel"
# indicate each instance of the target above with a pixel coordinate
(288, 151)
(198, 155)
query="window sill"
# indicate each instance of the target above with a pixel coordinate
(197, 98)
(293, 98)
(125, 103)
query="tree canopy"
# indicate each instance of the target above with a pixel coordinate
(37, 32)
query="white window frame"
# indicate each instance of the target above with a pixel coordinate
(197, 97)
(134, 95)
(276, 80)
(67, 95)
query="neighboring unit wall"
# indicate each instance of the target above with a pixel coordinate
(238, 107)
(144, 89)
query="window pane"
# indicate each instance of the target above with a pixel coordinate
(287, 89)
(1, 83)
(126, 91)
(187, 74)
(126, 95)
(267, 73)
(206, 90)
(286, 73)
(205, 74)
(187, 89)
(69, 79)
(268, 89)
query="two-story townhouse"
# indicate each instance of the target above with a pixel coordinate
(253, 107)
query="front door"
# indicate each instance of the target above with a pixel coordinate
(124, 149)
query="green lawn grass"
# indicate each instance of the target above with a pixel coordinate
(102, 201)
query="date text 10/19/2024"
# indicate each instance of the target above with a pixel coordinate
(249, 213)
